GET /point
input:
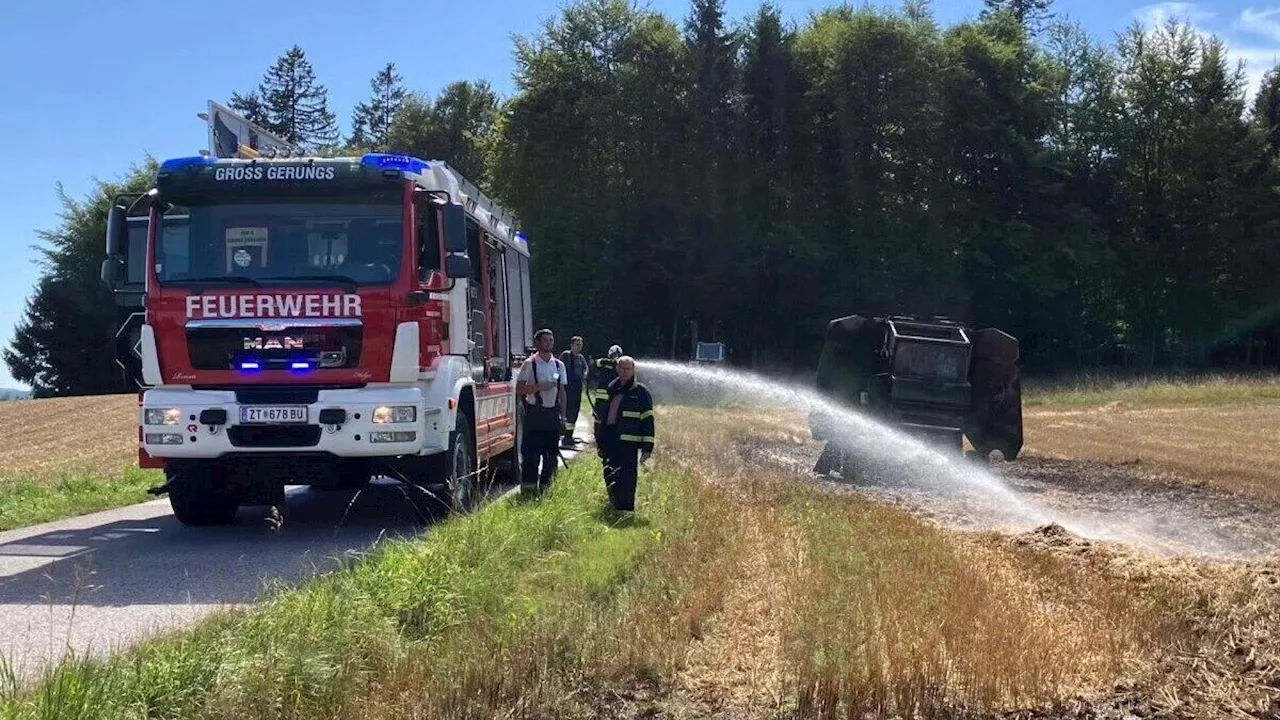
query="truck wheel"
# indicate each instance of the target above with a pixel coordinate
(460, 478)
(197, 499)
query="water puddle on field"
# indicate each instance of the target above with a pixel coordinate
(901, 469)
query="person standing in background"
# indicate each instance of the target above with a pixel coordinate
(540, 385)
(575, 367)
(602, 373)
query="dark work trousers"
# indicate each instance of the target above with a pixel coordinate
(621, 466)
(573, 405)
(539, 446)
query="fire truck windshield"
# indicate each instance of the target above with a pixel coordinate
(279, 243)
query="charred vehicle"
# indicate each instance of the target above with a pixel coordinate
(933, 378)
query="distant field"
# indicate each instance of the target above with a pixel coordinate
(50, 439)
(68, 456)
(1220, 430)
(1157, 390)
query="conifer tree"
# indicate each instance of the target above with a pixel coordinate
(371, 121)
(290, 103)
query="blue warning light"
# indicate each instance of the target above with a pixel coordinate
(389, 161)
(186, 162)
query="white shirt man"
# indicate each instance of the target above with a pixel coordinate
(540, 385)
(551, 377)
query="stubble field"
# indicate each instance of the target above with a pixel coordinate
(1124, 566)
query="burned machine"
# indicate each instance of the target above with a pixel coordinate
(934, 378)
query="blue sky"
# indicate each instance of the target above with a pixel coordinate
(92, 87)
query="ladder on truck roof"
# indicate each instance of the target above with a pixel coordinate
(233, 136)
(477, 200)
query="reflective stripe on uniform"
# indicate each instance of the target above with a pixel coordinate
(637, 438)
(637, 415)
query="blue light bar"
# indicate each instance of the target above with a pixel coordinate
(300, 366)
(386, 161)
(185, 162)
(250, 366)
(521, 237)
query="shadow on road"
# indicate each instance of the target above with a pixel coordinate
(157, 561)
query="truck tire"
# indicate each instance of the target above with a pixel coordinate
(460, 486)
(197, 499)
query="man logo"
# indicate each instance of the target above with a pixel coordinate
(275, 342)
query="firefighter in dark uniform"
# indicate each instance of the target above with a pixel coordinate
(625, 434)
(576, 367)
(603, 371)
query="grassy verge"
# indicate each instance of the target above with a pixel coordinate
(27, 501)
(514, 609)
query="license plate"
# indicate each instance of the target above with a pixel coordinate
(274, 415)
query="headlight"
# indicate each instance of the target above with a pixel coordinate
(395, 414)
(163, 416)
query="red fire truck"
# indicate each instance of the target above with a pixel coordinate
(318, 321)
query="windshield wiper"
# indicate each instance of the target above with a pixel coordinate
(347, 282)
(230, 279)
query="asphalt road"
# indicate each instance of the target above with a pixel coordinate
(99, 582)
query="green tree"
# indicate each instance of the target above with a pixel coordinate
(1030, 13)
(63, 343)
(291, 103)
(371, 121)
(455, 128)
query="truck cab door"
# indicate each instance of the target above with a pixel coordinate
(124, 273)
(429, 252)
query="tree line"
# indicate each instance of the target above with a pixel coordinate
(1108, 203)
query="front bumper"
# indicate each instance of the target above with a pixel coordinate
(356, 436)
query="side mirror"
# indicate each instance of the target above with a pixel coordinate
(117, 231)
(113, 268)
(455, 229)
(112, 272)
(457, 267)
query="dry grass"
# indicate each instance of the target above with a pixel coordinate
(877, 612)
(1152, 390)
(46, 440)
(1196, 433)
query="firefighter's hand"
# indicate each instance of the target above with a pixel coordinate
(644, 457)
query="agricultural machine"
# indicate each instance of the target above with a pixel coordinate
(935, 379)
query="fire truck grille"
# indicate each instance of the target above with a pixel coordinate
(277, 395)
(252, 436)
(224, 346)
